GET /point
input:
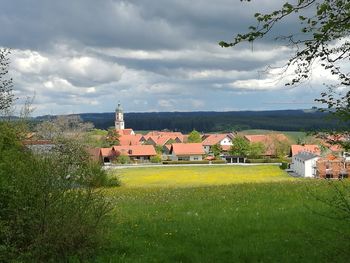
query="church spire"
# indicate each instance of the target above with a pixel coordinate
(119, 118)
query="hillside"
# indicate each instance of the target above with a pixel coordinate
(282, 120)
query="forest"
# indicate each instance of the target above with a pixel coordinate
(281, 120)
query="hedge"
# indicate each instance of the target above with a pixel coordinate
(195, 162)
(186, 162)
(263, 160)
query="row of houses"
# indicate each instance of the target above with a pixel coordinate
(311, 165)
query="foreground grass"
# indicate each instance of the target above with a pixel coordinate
(200, 175)
(243, 222)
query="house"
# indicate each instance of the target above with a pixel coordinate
(224, 140)
(304, 164)
(126, 132)
(137, 153)
(95, 154)
(312, 148)
(168, 134)
(130, 139)
(332, 167)
(108, 154)
(186, 152)
(269, 141)
(162, 140)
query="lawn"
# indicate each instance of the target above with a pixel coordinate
(270, 218)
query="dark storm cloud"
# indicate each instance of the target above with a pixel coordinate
(148, 54)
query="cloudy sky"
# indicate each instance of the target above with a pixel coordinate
(85, 55)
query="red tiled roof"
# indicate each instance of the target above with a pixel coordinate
(187, 148)
(267, 140)
(162, 140)
(172, 135)
(313, 148)
(107, 152)
(265, 137)
(126, 132)
(135, 150)
(130, 139)
(213, 139)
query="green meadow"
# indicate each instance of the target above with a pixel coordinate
(221, 214)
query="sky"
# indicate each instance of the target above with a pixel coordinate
(149, 55)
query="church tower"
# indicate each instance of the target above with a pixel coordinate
(119, 118)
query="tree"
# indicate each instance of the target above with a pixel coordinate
(256, 149)
(71, 126)
(240, 147)
(6, 95)
(112, 137)
(49, 209)
(216, 149)
(324, 28)
(194, 136)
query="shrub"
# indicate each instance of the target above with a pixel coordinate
(123, 159)
(48, 209)
(186, 162)
(263, 160)
(284, 166)
(218, 161)
(155, 159)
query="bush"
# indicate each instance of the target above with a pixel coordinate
(218, 161)
(155, 159)
(284, 166)
(123, 159)
(186, 162)
(48, 209)
(263, 160)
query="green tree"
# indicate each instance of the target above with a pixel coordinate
(49, 210)
(240, 147)
(194, 136)
(112, 137)
(216, 150)
(256, 149)
(322, 38)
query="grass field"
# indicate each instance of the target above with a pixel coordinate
(192, 214)
(200, 175)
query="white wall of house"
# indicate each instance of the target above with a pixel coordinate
(304, 168)
(226, 141)
(198, 157)
(206, 148)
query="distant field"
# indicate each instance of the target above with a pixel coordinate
(200, 175)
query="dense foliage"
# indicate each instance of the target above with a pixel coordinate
(194, 137)
(49, 210)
